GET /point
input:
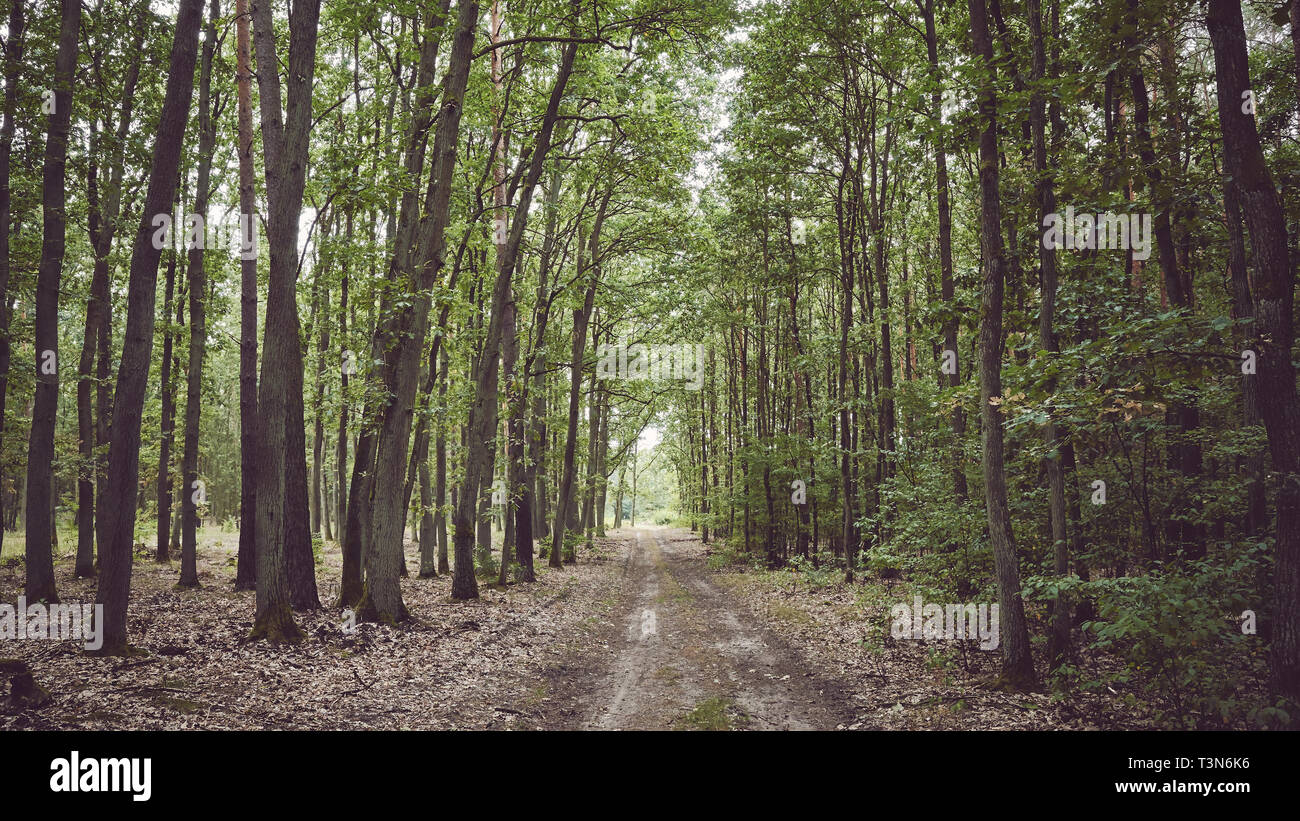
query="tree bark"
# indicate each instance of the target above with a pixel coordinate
(12, 71)
(246, 560)
(191, 493)
(281, 468)
(39, 554)
(119, 508)
(407, 327)
(1274, 329)
(1017, 664)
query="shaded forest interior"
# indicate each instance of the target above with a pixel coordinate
(985, 301)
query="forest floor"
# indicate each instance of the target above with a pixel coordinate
(651, 629)
(457, 665)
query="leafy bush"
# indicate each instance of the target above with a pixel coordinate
(731, 553)
(1178, 632)
(813, 577)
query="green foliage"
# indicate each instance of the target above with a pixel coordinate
(815, 577)
(1178, 631)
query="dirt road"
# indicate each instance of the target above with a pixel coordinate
(682, 653)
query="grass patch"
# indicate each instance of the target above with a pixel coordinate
(536, 696)
(710, 714)
(728, 556)
(672, 591)
(180, 705)
(791, 615)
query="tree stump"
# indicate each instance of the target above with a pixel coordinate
(24, 692)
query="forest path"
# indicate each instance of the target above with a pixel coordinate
(688, 655)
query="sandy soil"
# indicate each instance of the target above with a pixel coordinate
(683, 653)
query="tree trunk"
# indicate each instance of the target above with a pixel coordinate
(464, 584)
(580, 319)
(39, 554)
(1274, 330)
(281, 463)
(168, 419)
(1184, 453)
(192, 493)
(119, 507)
(92, 428)
(948, 293)
(176, 490)
(440, 488)
(1059, 641)
(246, 561)
(428, 542)
(1255, 520)
(318, 399)
(1017, 664)
(13, 68)
(407, 327)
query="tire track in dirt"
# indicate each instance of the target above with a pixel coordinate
(685, 654)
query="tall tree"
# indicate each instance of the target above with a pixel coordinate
(464, 584)
(103, 207)
(167, 434)
(1274, 331)
(119, 507)
(246, 565)
(12, 68)
(581, 318)
(39, 561)
(192, 488)
(408, 325)
(1017, 663)
(1059, 644)
(281, 445)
